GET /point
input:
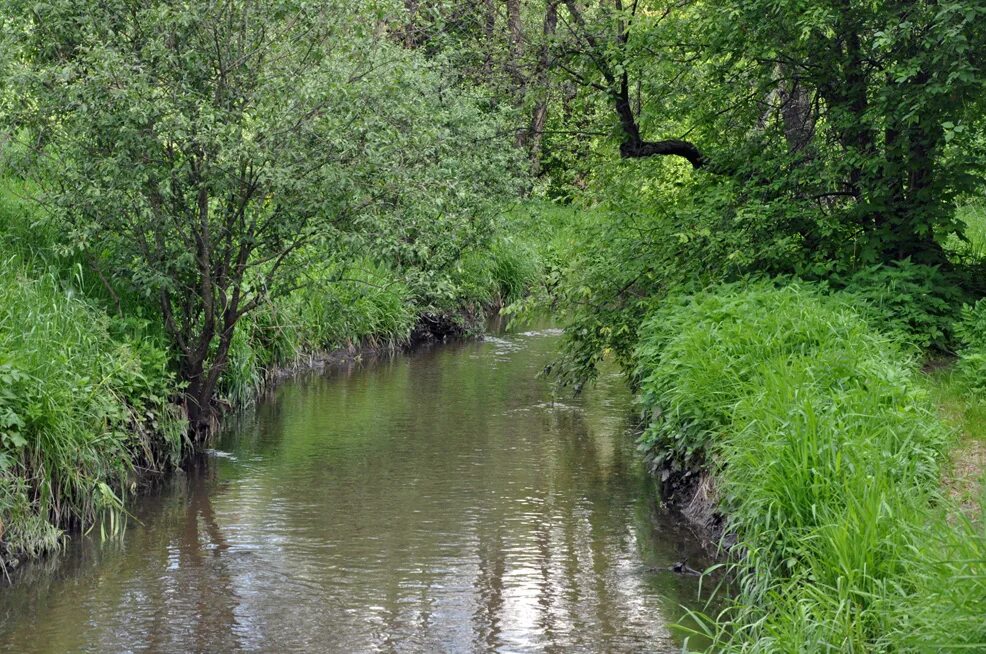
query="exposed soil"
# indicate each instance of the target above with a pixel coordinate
(693, 495)
(964, 479)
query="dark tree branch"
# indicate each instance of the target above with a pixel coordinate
(633, 145)
(633, 149)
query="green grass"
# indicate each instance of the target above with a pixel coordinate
(972, 217)
(960, 407)
(827, 451)
(364, 303)
(361, 304)
(80, 409)
(84, 397)
(964, 409)
(499, 275)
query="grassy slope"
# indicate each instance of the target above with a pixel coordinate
(827, 450)
(82, 403)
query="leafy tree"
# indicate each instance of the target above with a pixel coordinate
(209, 152)
(846, 108)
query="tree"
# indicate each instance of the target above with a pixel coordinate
(870, 94)
(209, 151)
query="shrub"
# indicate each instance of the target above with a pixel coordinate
(971, 333)
(918, 303)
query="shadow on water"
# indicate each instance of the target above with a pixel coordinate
(445, 501)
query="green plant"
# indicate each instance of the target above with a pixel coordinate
(970, 242)
(919, 303)
(826, 453)
(698, 355)
(78, 410)
(971, 333)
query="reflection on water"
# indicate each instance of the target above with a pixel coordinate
(441, 502)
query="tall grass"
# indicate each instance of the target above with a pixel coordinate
(79, 410)
(343, 306)
(826, 452)
(972, 245)
(498, 275)
(363, 303)
(23, 231)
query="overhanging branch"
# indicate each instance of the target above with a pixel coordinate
(632, 148)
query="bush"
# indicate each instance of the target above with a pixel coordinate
(918, 303)
(971, 333)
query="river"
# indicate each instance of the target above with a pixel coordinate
(443, 501)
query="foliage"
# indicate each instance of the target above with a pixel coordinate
(969, 243)
(699, 355)
(971, 332)
(855, 123)
(181, 165)
(915, 302)
(825, 450)
(498, 275)
(80, 409)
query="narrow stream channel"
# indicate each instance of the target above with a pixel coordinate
(438, 502)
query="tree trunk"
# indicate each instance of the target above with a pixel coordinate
(539, 115)
(515, 35)
(489, 30)
(797, 116)
(411, 26)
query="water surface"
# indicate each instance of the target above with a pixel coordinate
(444, 501)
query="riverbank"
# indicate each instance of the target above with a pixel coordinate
(817, 441)
(124, 427)
(90, 400)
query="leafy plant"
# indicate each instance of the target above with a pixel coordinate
(826, 455)
(971, 333)
(79, 410)
(919, 303)
(208, 194)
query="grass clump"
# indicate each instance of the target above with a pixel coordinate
(80, 409)
(699, 355)
(343, 306)
(827, 454)
(496, 276)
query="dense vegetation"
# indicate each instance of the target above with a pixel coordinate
(825, 454)
(770, 213)
(195, 195)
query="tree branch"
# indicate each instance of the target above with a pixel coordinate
(633, 149)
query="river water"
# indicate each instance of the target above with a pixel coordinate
(444, 501)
